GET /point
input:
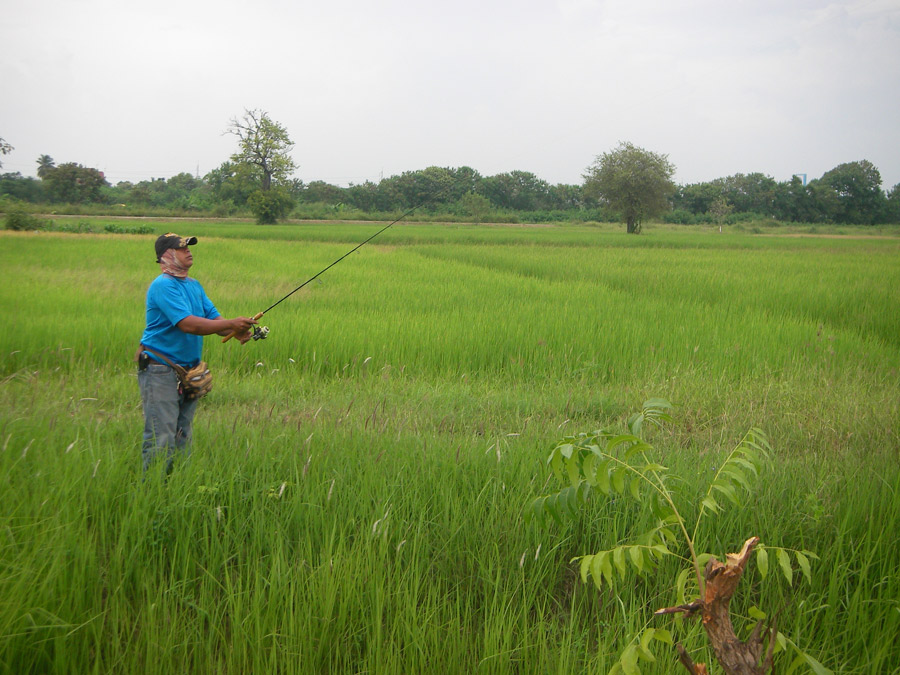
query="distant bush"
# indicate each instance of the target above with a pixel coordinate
(118, 229)
(80, 227)
(21, 221)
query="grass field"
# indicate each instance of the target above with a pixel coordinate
(357, 493)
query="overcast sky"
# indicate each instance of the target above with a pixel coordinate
(369, 89)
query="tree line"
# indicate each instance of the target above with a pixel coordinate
(627, 184)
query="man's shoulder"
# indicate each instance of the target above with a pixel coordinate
(168, 281)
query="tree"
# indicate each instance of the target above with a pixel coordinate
(719, 210)
(750, 193)
(855, 192)
(475, 206)
(45, 165)
(264, 147)
(892, 206)
(633, 181)
(74, 184)
(320, 191)
(519, 190)
(231, 183)
(27, 189)
(794, 201)
(5, 149)
(616, 466)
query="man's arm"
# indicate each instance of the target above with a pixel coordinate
(197, 325)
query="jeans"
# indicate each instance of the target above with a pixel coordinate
(168, 417)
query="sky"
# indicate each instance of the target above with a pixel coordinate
(371, 89)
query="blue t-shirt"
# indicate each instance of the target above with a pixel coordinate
(169, 300)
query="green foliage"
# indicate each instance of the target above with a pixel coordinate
(75, 184)
(484, 343)
(633, 181)
(851, 193)
(20, 220)
(264, 147)
(269, 206)
(475, 206)
(19, 187)
(615, 465)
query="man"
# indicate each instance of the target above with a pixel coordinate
(178, 316)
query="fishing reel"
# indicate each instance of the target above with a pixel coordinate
(260, 332)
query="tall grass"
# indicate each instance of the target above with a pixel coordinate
(355, 496)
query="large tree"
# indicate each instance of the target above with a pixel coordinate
(851, 193)
(45, 165)
(264, 147)
(633, 181)
(75, 184)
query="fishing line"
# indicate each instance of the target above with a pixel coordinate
(260, 333)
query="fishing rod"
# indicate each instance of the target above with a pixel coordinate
(260, 332)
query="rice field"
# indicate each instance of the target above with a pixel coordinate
(356, 496)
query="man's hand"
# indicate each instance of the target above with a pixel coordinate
(241, 324)
(243, 337)
(240, 328)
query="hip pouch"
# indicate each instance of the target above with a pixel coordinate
(195, 382)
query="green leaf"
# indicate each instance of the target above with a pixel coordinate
(728, 491)
(660, 550)
(629, 661)
(585, 567)
(606, 568)
(646, 637)
(780, 642)
(597, 571)
(566, 449)
(737, 477)
(637, 557)
(750, 466)
(784, 562)
(603, 477)
(803, 562)
(710, 503)
(762, 561)
(616, 441)
(638, 447)
(618, 479)
(657, 403)
(557, 465)
(636, 487)
(756, 613)
(619, 560)
(796, 663)
(635, 423)
(573, 471)
(703, 558)
(680, 585)
(817, 667)
(664, 635)
(590, 469)
(668, 535)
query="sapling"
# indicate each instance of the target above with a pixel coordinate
(615, 465)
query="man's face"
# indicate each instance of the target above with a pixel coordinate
(184, 257)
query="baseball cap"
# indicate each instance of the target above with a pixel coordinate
(171, 240)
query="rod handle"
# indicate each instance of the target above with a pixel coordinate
(231, 334)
